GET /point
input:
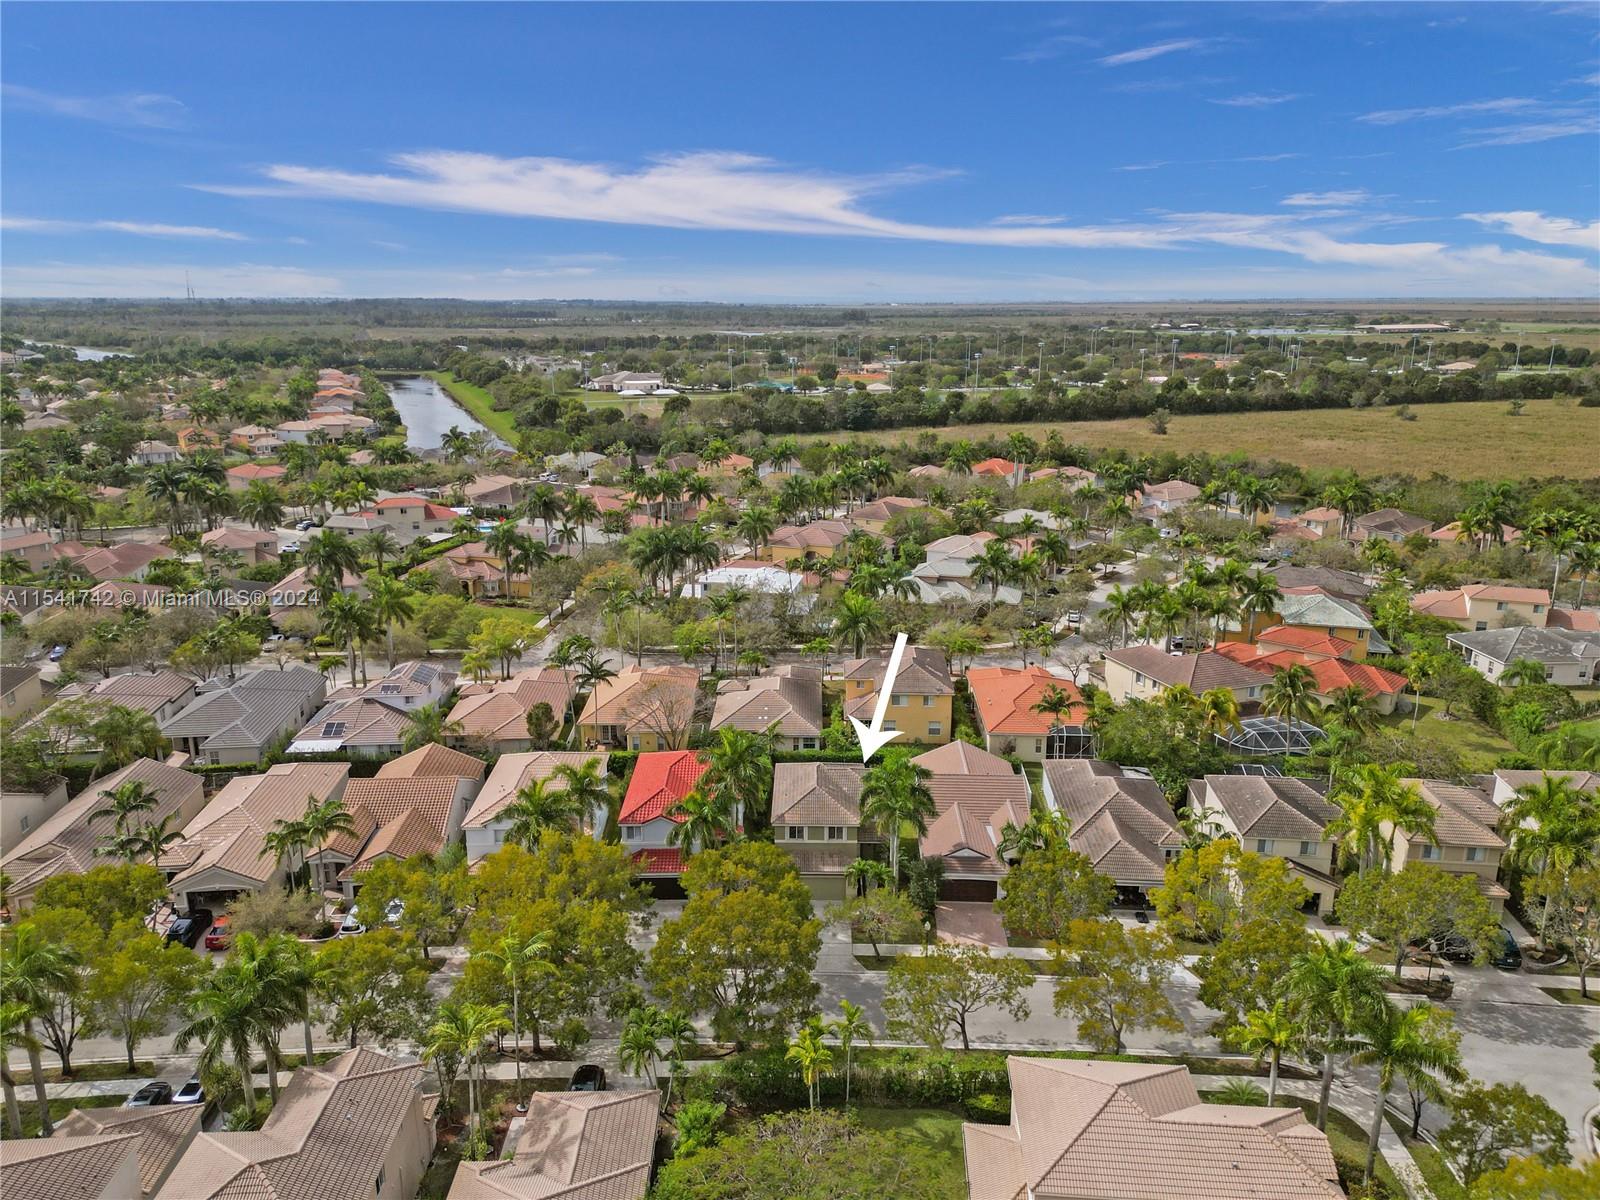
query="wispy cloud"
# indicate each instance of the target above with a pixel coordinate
(138, 228)
(382, 245)
(1327, 199)
(1053, 46)
(1258, 99)
(150, 110)
(1028, 219)
(1156, 50)
(1537, 227)
(1396, 116)
(1572, 124)
(1158, 164)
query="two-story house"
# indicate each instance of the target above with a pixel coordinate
(641, 708)
(1283, 817)
(1486, 606)
(1145, 672)
(486, 825)
(645, 822)
(921, 695)
(1006, 700)
(816, 817)
(1466, 838)
(1122, 824)
(785, 703)
(802, 543)
(975, 796)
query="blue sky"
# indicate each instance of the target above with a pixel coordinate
(801, 152)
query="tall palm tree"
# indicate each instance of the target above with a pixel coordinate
(1268, 1033)
(261, 504)
(540, 806)
(1372, 796)
(1406, 1044)
(323, 819)
(1122, 608)
(222, 1018)
(1259, 599)
(464, 1030)
(272, 965)
(895, 794)
(1553, 829)
(349, 622)
(149, 839)
(378, 544)
(32, 970)
(858, 619)
(428, 725)
(812, 1055)
(391, 604)
(1291, 695)
(675, 1026)
(514, 955)
(13, 1014)
(703, 821)
(739, 771)
(1332, 991)
(331, 554)
(1219, 711)
(1351, 708)
(286, 841)
(851, 1026)
(127, 799)
(125, 734)
(639, 1045)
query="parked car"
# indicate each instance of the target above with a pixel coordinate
(1507, 955)
(219, 936)
(1142, 917)
(150, 1095)
(191, 1092)
(351, 924)
(290, 548)
(590, 1077)
(190, 927)
(302, 526)
(57, 653)
(1074, 617)
(393, 911)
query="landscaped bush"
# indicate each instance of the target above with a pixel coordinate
(987, 1108)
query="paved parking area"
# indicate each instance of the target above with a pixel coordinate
(970, 924)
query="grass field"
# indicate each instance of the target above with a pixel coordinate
(1465, 441)
(1478, 745)
(478, 402)
(937, 1130)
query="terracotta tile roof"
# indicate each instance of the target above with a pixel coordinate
(1094, 1130)
(997, 467)
(258, 471)
(500, 712)
(815, 793)
(1455, 603)
(963, 758)
(788, 700)
(327, 1138)
(57, 1168)
(1005, 698)
(1312, 641)
(664, 860)
(1123, 825)
(573, 1146)
(433, 760)
(1392, 520)
(1583, 781)
(1330, 674)
(886, 507)
(1285, 808)
(1201, 672)
(818, 535)
(1464, 816)
(405, 837)
(229, 831)
(660, 779)
(513, 772)
(1585, 620)
(164, 1132)
(431, 798)
(642, 699)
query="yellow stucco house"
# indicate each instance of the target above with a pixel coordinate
(921, 699)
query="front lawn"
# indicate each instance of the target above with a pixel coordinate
(90, 1072)
(1573, 996)
(1348, 1140)
(1479, 746)
(936, 1130)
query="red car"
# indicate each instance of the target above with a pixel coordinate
(218, 936)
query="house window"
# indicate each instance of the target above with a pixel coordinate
(898, 700)
(1500, 606)
(796, 833)
(889, 726)
(1538, 608)
(630, 833)
(1252, 693)
(1429, 851)
(836, 833)
(25, 822)
(633, 742)
(927, 702)
(935, 729)
(808, 743)
(1138, 677)
(1263, 845)
(1038, 745)
(1474, 853)
(1479, 626)
(1308, 849)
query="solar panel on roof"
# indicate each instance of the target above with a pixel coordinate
(334, 729)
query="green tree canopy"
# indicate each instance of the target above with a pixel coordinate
(929, 995)
(1051, 887)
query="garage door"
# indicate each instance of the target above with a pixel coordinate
(968, 889)
(665, 887)
(827, 888)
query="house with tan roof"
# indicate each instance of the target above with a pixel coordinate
(92, 1167)
(1466, 837)
(160, 1135)
(359, 1127)
(1004, 698)
(1145, 672)
(152, 454)
(1283, 817)
(161, 693)
(659, 781)
(1092, 1130)
(35, 547)
(253, 546)
(1123, 824)
(1389, 525)
(396, 817)
(236, 721)
(485, 827)
(944, 576)
(1451, 534)
(494, 717)
(641, 708)
(65, 840)
(976, 795)
(371, 721)
(786, 703)
(816, 817)
(495, 491)
(406, 517)
(573, 1146)
(21, 689)
(125, 560)
(792, 543)
(222, 852)
(1486, 606)
(921, 695)
(876, 514)
(1159, 499)
(1321, 521)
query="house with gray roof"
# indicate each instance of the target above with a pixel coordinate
(1122, 824)
(786, 702)
(1570, 658)
(1280, 816)
(236, 722)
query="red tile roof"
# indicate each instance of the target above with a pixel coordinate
(660, 779)
(1330, 673)
(664, 861)
(994, 466)
(1311, 641)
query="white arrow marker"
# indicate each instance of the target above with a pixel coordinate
(873, 736)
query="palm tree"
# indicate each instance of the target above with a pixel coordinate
(150, 839)
(348, 620)
(1332, 991)
(514, 955)
(1351, 708)
(1122, 608)
(1372, 796)
(1219, 711)
(813, 1056)
(223, 1019)
(1291, 695)
(639, 1044)
(427, 726)
(464, 1030)
(378, 544)
(850, 1026)
(391, 604)
(1550, 823)
(540, 806)
(739, 771)
(863, 872)
(123, 801)
(679, 1032)
(704, 821)
(1054, 703)
(1268, 1033)
(894, 794)
(323, 819)
(858, 619)
(286, 841)
(125, 734)
(1523, 671)
(505, 541)
(755, 525)
(32, 970)
(261, 504)
(1259, 597)
(271, 965)
(332, 555)
(1409, 1044)
(13, 1014)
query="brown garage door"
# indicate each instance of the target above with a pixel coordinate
(967, 889)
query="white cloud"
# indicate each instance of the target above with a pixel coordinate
(1028, 219)
(1327, 199)
(1155, 50)
(1157, 164)
(1536, 227)
(1575, 125)
(151, 110)
(1258, 99)
(1395, 116)
(240, 281)
(138, 228)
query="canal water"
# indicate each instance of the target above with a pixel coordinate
(427, 412)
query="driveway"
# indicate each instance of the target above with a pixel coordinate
(970, 924)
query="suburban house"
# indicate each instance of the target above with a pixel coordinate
(816, 817)
(1389, 525)
(1325, 657)
(800, 543)
(945, 573)
(573, 1146)
(297, 590)
(1159, 499)
(660, 780)
(1103, 1130)
(162, 694)
(495, 717)
(152, 454)
(1282, 816)
(125, 560)
(581, 462)
(1145, 672)
(645, 382)
(495, 491)
(1322, 521)
(1507, 783)
(485, 827)
(237, 721)
(481, 572)
(398, 816)
(406, 517)
(1342, 585)
(39, 844)
(874, 515)
(21, 690)
(1313, 608)
(1004, 698)
(1451, 533)
(1486, 606)
(253, 546)
(1466, 837)
(1122, 824)
(786, 702)
(223, 850)
(1569, 659)
(100, 1154)
(360, 726)
(1001, 468)
(359, 1127)
(35, 547)
(976, 795)
(641, 708)
(752, 575)
(921, 699)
